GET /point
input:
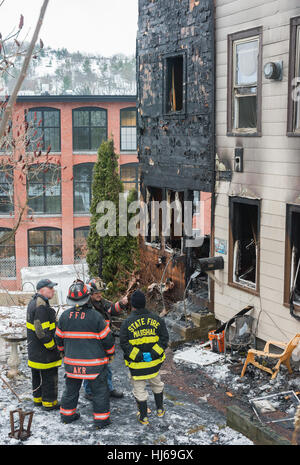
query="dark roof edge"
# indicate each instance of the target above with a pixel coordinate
(76, 98)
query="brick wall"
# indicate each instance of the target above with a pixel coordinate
(67, 222)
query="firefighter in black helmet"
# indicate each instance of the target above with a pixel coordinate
(88, 345)
(107, 309)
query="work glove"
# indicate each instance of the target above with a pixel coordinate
(111, 359)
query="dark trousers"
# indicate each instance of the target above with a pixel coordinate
(86, 383)
(100, 392)
(45, 386)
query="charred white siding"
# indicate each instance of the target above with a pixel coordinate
(271, 164)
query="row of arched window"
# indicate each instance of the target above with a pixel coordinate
(44, 188)
(89, 129)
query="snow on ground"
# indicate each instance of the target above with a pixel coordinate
(185, 423)
(211, 362)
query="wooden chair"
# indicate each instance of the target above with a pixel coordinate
(284, 357)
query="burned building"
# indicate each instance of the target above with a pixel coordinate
(175, 73)
(257, 208)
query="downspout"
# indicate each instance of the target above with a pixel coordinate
(213, 154)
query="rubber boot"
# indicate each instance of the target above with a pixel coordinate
(72, 418)
(159, 404)
(142, 413)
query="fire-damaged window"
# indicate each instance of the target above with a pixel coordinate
(244, 242)
(153, 233)
(175, 220)
(165, 218)
(292, 269)
(174, 84)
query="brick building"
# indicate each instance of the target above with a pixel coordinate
(74, 126)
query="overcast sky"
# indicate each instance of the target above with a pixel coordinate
(104, 27)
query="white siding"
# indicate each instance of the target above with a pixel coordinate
(271, 164)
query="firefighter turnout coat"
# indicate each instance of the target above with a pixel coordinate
(86, 341)
(141, 332)
(41, 324)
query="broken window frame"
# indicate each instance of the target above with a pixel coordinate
(166, 61)
(291, 263)
(170, 239)
(293, 124)
(153, 238)
(235, 39)
(241, 282)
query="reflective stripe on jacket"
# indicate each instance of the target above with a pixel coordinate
(86, 340)
(142, 332)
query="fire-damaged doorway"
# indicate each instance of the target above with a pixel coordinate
(177, 236)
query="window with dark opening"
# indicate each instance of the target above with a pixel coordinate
(174, 84)
(295, 261)
(175, 201)
(292, 272)
(153, 231)
(244, 241)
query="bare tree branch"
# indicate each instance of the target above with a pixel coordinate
(22, 76)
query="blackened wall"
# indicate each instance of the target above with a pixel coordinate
(176, 151)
